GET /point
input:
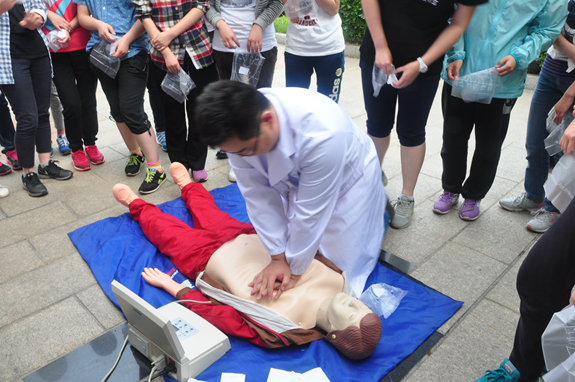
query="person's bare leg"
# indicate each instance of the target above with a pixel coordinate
(411, 162)
(127, 136)
(381, 146)
(147, 142)
(124, 194)
(180, 174)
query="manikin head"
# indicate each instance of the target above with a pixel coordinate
(237, 118)
(352, 328)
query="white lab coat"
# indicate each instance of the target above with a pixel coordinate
(319, 188)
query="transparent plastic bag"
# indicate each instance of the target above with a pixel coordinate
(246, 68)
(556, 131)
(177, 85)
(53, 38)
(302, 10)
(382, 299)
(560, 186)
(101, 57)
(379, 78)
(558, 339)
(477, 87)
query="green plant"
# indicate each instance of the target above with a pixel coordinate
(541, 58)
(352, 20)
(281, 24)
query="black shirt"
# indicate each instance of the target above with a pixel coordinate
(411, 27)
(24, 43)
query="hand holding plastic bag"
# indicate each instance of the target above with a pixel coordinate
(302, 10)
(53, 39)
(556, 131)
(247, 67)
(560, 186)
(101, 57)
(382, 299)
(177, 85)
(379, 78)
(477, 87)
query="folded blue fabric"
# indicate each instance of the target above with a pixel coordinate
(116, 248)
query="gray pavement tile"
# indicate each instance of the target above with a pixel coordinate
(19, 201)
(42, 287)
(17, 259)
(426, 186)
(37, 340)
(110, 154)
(218, 178)
(505, 292)
(114, 172)
(55, 244)
(92, 199)
(460, 273)
(480, 343)
(30, 223)
(500, 188)
(101, 307)
(512, 164)
(498, 234)
(432, 232)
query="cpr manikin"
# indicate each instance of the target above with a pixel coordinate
(222, 272)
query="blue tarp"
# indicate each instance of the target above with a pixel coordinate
(116, 248)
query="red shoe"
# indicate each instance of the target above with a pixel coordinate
(80, 161)
(13, 159)
(95, 156)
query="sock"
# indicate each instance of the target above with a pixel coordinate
(62, 135)
(137, 151)
(42, 165)
(411, 198)
(156, 166)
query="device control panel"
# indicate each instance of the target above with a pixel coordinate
(184, 329)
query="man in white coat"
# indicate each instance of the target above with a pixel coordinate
(310, 177)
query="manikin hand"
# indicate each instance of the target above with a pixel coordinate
(383, 60)
(264, 282)
(162, 40)
(410, 72)
(228, 36)
(453, 69)
(121, 49)
(156, 277)
(255, 39)
(567, 142)
(105, 30)
(31, 21)
(561, 108)
(506, 65)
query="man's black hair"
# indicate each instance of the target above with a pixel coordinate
(228, 109)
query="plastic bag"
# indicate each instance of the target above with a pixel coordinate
(177, 85)
(558, 339)
(565, 372)
(477, 87)
(247, 67)
(101, 57)
(53, 38)
(379, 78)
(305, 10)
(382, 299)
(556, 131)
(560, 186)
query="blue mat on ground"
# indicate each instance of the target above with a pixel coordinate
(116, 248)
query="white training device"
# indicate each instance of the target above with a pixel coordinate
(186, 340)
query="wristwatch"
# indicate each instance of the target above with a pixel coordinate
(422, 67)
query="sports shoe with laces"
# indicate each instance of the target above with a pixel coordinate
(469, 210)
(221, 154)
(161, 139)
(94, 155)
(520, 203)
(445, 202)
(134, 163)
(53, 171)
(153, 181)
(63, 145)
(200, 176)
(403, 208)
(13, 159)
(4, 169)
(80, 161)
(505, 373)
(4, 191)
(33, 185)
(542, 221)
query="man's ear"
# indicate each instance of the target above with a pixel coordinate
(266, 116)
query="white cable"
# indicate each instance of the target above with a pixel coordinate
(117, 360)
(198, 302)
(152, 373)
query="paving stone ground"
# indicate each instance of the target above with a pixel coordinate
(50, 303)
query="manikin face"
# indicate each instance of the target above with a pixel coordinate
(344, 311)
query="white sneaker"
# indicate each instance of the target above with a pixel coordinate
(542, 221)
(232, 176)
(4, 191)
(520, 203)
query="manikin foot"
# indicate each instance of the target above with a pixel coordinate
(124, 194)
(180, 174)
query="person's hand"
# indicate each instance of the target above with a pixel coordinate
(59, 22)
(105, 31)
(156, 278)
(561, 108)
(264, 282)
(162, 40)
(6, 5)
(506, 65)
(383, 60)
(172, 62)
(228, 36)
(255, 39)
(121, 48)
(31, 21)
(65, 39)
(453, 69)
(567, 142)
(410, 72)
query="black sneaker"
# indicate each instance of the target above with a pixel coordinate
(153, 181)
(33, 185)
(4, 170)
(53, 171)
(221, 154)
(134, 163)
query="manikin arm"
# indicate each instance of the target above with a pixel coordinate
(161, 280)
